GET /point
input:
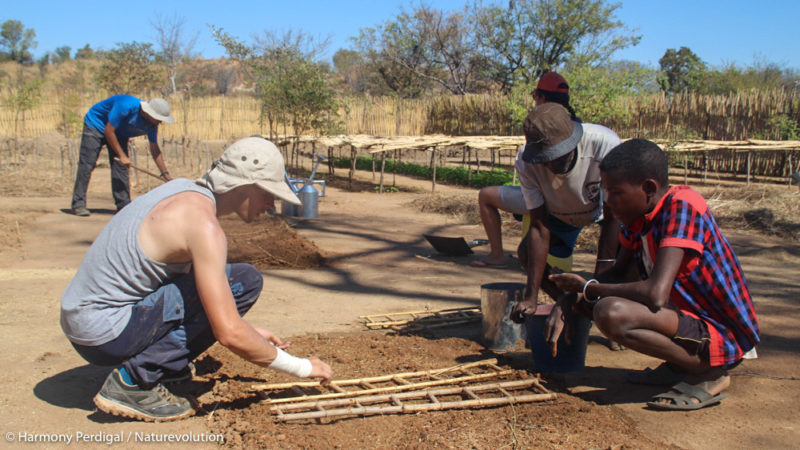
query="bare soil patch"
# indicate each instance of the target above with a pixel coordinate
(269, 243)
(233, 409)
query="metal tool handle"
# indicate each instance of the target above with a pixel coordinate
(477, 242)
(319, 158)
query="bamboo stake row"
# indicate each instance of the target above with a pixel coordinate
(421, 320)
(503, 393)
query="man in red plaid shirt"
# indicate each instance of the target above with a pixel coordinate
(690, 306)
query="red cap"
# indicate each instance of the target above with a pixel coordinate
(553, 82)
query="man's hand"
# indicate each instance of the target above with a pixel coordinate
(568, 282)
(522, 309)
(559, 321)
(166, 176)
(124, 160)
(320, 370)
(274, 340)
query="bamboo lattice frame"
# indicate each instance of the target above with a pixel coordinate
(475, 396)
(413, 321)
(313, 390)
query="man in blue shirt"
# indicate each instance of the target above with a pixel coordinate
(112, 122)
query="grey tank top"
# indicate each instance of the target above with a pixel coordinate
(116, 274)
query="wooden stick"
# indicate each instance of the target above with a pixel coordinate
(376, 379)
(430, 311)
(143, 170)
(424, 321)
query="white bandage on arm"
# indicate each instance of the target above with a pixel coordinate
(299, 367)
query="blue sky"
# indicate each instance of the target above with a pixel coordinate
(719, 31)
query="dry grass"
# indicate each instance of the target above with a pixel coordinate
(764, 209)
(461, 207)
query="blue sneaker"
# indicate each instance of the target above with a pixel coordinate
(156, 404)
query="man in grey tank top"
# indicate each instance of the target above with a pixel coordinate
(154, 289)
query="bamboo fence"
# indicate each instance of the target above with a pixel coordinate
(738, 116)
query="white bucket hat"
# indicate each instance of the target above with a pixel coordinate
(158, 108)
(252, 160)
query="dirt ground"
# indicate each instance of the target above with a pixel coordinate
(367, 256)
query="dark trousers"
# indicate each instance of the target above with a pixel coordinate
(91, 143)
(169, 327)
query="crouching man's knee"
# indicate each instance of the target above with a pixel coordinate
(611, 316)
(246, 283)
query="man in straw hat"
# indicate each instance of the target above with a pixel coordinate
(560, 177)
(112, 122)
(154, 290)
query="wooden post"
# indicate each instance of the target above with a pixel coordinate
(383, 166)
(433, 165)
(686, 168)
(468, 152)
(705, 166)
(749, 155)
(331, 166)
(397, 155)
(352, 166)
(313, 152)
(791, 171)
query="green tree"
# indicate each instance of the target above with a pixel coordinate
(597, 93)
(384, 74)
(529, 37)
(681, 70)
(349, 64)
(17, 41)
(290, 85)
(433, 45)
(85, 52)
(62, 54)
(129, 69)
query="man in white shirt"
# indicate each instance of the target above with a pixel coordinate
(560, 178)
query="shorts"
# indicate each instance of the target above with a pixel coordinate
(511, 199)
(562, 237)
(693, 336)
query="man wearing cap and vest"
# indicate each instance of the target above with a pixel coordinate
(154, 290)
(112, 122)
(560, 178)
